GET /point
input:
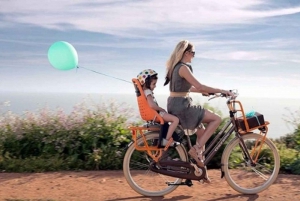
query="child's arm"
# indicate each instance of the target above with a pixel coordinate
(153, 105)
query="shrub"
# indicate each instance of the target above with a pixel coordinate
(90, 138)
(87, 138)
(287, 157)
(295, 167)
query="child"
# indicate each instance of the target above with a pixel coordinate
(148, 79)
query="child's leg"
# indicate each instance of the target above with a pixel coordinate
(174, 123)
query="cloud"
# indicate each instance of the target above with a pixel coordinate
(295, 60)
(236, 55)
(137, 18)
(142, 35)
(34, 43)
(257, 55)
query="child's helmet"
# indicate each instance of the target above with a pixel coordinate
(145, 74)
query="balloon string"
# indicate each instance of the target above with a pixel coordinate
(103, 74)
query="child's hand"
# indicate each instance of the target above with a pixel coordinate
(162, 110)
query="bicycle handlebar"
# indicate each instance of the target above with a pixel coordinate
(217, 95)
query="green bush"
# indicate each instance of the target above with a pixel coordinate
(87, 138)
(295, 167)
(287, 156)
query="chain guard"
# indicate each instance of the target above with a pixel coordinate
(178, 169)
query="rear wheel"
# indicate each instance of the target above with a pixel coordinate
(244, 177)
(141, 178)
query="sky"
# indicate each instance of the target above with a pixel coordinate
(249, 45)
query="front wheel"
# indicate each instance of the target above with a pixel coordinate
(245, 177)
(141, 178)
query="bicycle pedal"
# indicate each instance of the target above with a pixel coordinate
(187, 183)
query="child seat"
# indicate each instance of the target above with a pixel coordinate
(146, 112)
(150, 115)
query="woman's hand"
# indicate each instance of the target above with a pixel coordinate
(227, 93)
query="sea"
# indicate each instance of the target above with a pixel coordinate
(275, 110)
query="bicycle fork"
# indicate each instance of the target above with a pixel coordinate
(246, 153)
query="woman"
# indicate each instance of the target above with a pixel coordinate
(182, 81)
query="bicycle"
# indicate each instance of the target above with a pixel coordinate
(247, 155)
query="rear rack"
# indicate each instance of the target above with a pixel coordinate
(153, 151)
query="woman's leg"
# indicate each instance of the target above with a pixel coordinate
(174, 123)
(213, 121)
(203, 134)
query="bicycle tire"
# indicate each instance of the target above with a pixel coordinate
(237, 169)
(136, 168)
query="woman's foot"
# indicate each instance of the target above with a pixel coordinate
(196, 156)
(206, 179)
(197, 153)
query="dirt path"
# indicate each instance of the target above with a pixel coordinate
(112, 186)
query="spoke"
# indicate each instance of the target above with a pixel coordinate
(149, 172)
(164, 178)
(263, 168)
(259, 173)
(139, 164)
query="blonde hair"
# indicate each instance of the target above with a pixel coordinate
(175, 57)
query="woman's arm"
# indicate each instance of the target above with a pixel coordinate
(186, 73)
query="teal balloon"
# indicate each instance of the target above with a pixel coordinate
(63, 56)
